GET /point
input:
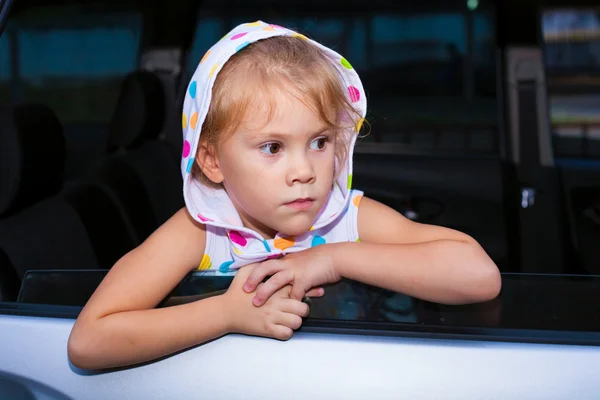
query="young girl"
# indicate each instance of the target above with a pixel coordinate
(270, 120)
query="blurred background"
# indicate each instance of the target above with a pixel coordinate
(484, 117)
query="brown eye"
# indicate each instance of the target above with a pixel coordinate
(271, 148)
(319, 144)
(274, 148)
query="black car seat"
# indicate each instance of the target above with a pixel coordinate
(35, 156)
(585, 213)
(79, 228)
(142, 170)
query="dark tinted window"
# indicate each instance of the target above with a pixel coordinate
(538, 308)
(572, 56)
(70, 59)
(430, 76)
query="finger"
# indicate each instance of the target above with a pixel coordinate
(260, 272)
(295, 307)
(289, 320)
(298, 291)
(273, 284)
(284, 292)
(315, 292)
(282, 332)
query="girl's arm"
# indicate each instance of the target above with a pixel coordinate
(424, 261)
(120, 325)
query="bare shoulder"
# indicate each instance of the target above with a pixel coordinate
(378, 223)
(181, 234)
(143, 277)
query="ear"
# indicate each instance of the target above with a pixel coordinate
(207, 160)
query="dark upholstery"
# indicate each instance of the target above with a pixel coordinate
(48, 235)
(9, 281)
(161, 177)
(586, 220)
(105, 224)
(126, 186)
(140, 111)
(32, 158)
(82, 227)
(143, 170)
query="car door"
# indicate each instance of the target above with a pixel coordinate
(493, 350)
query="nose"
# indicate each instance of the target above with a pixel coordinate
(300, 169)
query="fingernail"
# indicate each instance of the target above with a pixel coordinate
(256, 301)
(246, 287)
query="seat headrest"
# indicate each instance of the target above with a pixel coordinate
(33, 152)
(140, 111)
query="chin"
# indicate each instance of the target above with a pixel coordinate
(296, 227)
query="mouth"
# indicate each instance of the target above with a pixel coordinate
(301, 204)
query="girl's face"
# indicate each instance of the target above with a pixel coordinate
(279, 175)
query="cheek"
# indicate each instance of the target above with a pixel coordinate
(248, 182)
(236, 166)
(329, 160)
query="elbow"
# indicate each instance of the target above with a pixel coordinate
(488, 285)
(486, 281)
(80, 349)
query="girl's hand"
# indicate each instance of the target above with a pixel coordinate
(305, 270)
(278, 318)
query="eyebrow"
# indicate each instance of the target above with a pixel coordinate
(281, 136)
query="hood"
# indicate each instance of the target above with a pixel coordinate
(212, 206)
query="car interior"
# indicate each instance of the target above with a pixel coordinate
(90, 145)
(483, 116)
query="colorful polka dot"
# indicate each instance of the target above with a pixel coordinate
(268, 28)
(205, 56)
(239, 35)
(192, 89)
(317, 241)
(237, 238)
(356, 200)
(236, 251)
(190, 164)
(255, 23)
(224, 268)
(284, 243)
(349, 181)
(203, 218)
(359, 125)
(194, 120)
(266, 244)
(345, 63)
(354, 94)
(276, 26)
(299, 35)
(358, 240)
(241, 46)
(184, 121)
(213, 70)
(186, 149)
(206, 263)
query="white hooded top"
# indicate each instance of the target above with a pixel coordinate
(230, 245)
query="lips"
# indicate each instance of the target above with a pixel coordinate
(301, 204)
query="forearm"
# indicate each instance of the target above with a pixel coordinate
(133, 337)
(443, 271)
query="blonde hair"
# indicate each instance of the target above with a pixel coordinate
(290, 64)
